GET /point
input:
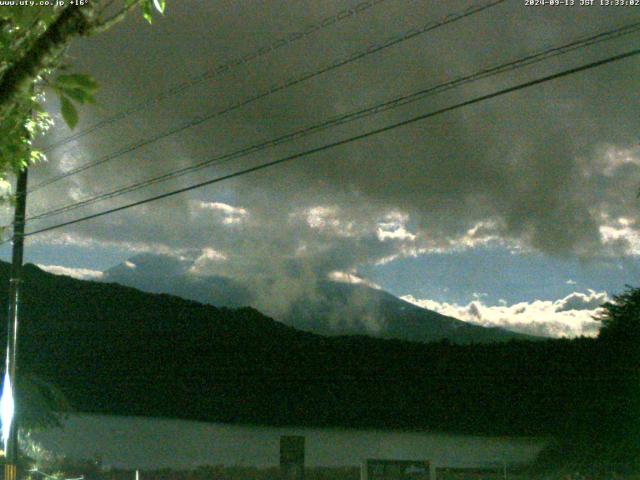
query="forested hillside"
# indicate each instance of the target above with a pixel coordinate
(113, 349)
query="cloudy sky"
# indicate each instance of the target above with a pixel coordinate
(517, 211)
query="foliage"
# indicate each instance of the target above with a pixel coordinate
(33, 41)
(114, 349)
(41, 404)
(621, 318)
(117, 350)
(73, 88)
(612, 443)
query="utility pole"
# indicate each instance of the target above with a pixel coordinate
(11, 437)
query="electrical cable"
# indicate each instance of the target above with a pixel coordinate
(342, 119)
(220, 69)
(361, 136)
(370, 50)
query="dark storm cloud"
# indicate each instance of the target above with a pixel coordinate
(548, 169)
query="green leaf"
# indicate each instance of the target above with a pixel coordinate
(146, 10)
(80, 96)
(38, 108)
(159, 4)
(21, 16)
(79, 81)
(69, 112)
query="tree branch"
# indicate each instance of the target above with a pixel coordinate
(73, 21)
(116, 18)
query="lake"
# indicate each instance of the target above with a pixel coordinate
(150, 443)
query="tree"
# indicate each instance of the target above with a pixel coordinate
(620, 319)
(606, 436)
(41, 404)
(33, 40)
(620, 348)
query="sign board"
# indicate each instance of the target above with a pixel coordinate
(291, 450)
(292, 457)
(374, 469)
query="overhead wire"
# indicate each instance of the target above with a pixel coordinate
(352, 116)
(360, 54)
(312, 151)
(326, 22)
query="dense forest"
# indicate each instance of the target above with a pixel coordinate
(113, 349)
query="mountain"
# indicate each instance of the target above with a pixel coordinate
(166, 274)
(117, 350)
(347, 309)
(333, 308)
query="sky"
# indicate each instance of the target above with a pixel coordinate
(519, 211)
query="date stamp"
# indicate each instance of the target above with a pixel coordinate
(582, 3)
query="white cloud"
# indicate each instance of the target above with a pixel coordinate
(483, 233)
(570, 316)
(79, 273)
(327, 219)
(84, 241)
(464, 181)
(399, 233)
(581, 301)
(229, 214)
(345, 277)
(616, 158)
(69, 160)
(203, 264)
(393, 227)
(621, 236)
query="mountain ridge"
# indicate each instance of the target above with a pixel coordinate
(333, 308)
(117, 350)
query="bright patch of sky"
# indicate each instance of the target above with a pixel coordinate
(498, 274)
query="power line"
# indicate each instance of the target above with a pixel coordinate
(352, 116)
(528, 60)
(221, 69)
(362, 136)
(370, 50)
